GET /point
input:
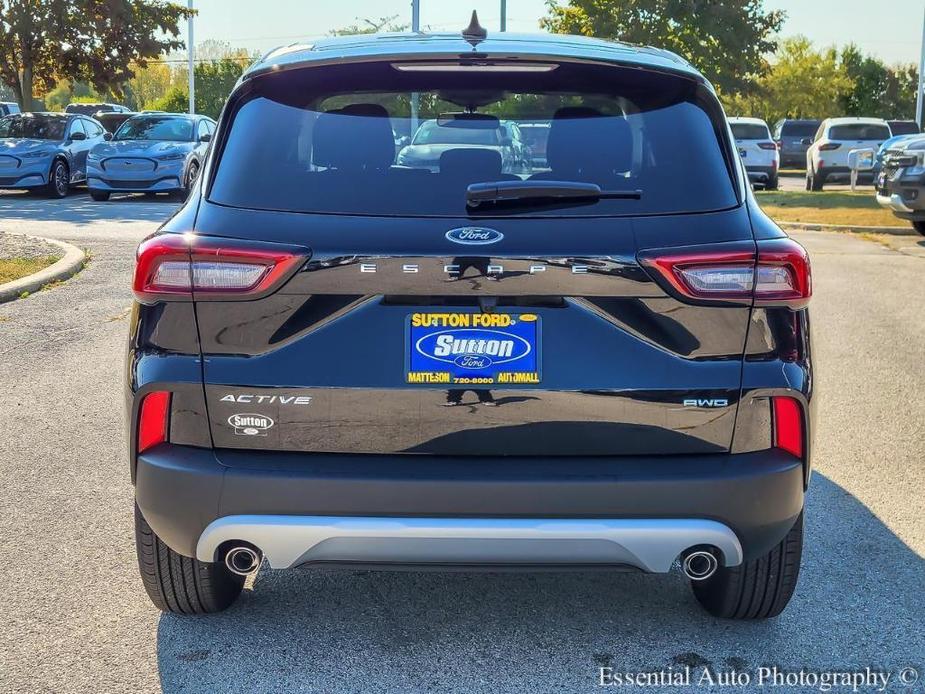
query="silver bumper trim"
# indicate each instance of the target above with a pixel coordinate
(893, 202)
(648, 544)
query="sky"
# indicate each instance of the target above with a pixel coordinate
(889, 29)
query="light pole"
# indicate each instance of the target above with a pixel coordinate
(415, 97)
(919, 116)
(192, 77)
(503, 15)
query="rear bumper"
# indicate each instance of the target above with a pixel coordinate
(760, 174)
(647, 544)
(427, 509)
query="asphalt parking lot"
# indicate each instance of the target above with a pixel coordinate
(797, 181)
(74, 617)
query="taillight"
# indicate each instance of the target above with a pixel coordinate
(181, 265)
(778, 276)
(767, 145)
(153, 419)
(784, 275)
(828, 146)
(788, 425)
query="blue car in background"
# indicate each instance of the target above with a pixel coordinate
(887, 145)
(46, 151)
(150, 153)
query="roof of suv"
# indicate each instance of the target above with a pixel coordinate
(846, 120)
(509, 46)
(744, 119)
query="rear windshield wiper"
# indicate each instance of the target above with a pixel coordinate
(511, 191)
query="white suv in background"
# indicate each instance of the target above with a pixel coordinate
(827, 156)
(758, 150)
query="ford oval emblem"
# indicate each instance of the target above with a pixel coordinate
(474, 236)
(473, 348)
(473, 361)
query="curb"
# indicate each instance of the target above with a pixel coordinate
(69, 265)
(807, 226)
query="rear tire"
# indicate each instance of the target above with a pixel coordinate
(919, 227)
(99, 195)
(180, 584)
(755, 589)
(771, 184)
(814, 181)
(192, 173)
(59, 178)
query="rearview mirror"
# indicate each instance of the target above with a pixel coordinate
(205, 137)
(78, 136)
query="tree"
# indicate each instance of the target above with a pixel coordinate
(66, 92)
(148, 85)
(802, 83)
(371, 26)
(869, 76)
(96, 41)
(879, 91)
(214, 81)
(725, 39)
(899, 93)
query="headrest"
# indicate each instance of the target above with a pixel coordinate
(358, 136)
(475, 163)
(584, 143)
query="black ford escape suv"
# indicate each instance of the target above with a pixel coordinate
(603, 361)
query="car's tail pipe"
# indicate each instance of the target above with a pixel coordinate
(699, 565)
(243, 560)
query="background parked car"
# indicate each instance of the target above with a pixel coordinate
(113, 120)
(885, 147)
(901, 181)
(757, 149)
(8, 107)
(91, 109)
(827, 155)
(904, 127)
(150, 153)
(433, 138)
(535, 136)
(46, 150)
(789, 134)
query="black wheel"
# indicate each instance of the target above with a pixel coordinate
(179, 584)
(919, 227)
(756, 589)
(59, 179)
(99, 195)
(192, 173)
(814, 181)
(771, 184)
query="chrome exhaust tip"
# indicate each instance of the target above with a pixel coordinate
(242, 560)
(699, 565)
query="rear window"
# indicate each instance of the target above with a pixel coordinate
(903, 127)
(859, 131)
(750, 131)
(799, 128)
(410, 142)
